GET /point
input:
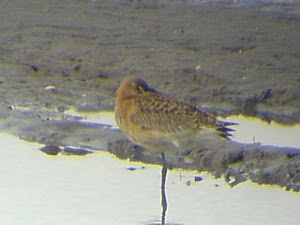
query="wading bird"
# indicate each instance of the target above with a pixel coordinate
(163, 124)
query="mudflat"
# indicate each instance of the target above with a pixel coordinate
(230, 58)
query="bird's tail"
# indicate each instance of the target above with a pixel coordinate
(224, 128)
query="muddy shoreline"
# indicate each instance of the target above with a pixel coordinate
(228, 58)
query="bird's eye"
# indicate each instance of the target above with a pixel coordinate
(140, 89)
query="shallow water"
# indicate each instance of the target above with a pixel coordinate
(99, 189)
(253, 130)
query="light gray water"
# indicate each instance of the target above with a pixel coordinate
(97, 189)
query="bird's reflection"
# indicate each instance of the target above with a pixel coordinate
(164, 202)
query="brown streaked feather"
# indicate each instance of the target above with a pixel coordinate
(142, 112)
(160, 112)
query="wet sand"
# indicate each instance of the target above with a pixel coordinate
(231, 58)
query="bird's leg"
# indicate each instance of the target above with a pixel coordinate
(164, 203)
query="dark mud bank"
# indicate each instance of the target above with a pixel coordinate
(230, 58)
(236, 162)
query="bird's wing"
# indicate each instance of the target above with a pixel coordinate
(164, 114)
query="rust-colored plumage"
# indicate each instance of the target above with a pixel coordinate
(158, 122)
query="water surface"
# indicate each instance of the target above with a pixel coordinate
(99, 189)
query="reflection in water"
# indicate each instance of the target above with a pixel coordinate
(254, 130)
(164, 202)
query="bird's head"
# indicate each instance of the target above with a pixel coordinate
(132, 87)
